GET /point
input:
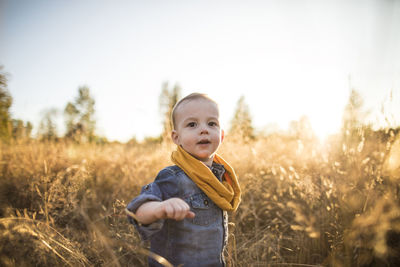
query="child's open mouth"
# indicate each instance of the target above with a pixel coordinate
(203, 142)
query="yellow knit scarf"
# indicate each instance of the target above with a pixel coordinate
(226, 194)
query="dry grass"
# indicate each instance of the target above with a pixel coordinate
(304, 204)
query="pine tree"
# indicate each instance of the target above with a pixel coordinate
(353, 113)
(5, 104)
(71, 115)
(241, 124)
(353, 119)
(79, 117)
(21, 130)
(47, 127)
(168, 99)
(302, 129)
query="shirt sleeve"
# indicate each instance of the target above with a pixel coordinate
(150, 192)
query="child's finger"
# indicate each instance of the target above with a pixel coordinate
(169, 211)
(190, 215)
(182, 210)
(174, 210)
(177, 209)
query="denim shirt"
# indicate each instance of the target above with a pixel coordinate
(192, 242)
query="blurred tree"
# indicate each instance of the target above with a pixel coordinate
(28, 129)
(353, 115)
(71, 115)
(47, 127)
(21, 130)
(168, 99)
(85, 104)
(241, 124)
(353, 121)
(302, 129)
(5, 104)
(133, 141)
(79, 117)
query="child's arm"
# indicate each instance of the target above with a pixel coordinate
(173, 208)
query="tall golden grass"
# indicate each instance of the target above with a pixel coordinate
(304, 203)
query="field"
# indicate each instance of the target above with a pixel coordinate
(304, 203)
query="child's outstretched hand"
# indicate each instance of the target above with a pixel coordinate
(174, 208)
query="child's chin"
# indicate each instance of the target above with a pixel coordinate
(204, 158)
(200, 156)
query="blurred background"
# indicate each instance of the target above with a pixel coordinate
(285, 60)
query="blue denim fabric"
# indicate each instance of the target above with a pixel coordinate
(192, 242)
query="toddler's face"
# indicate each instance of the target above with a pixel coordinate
(197, 129)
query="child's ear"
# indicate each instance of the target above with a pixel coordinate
(222, 135)
(174, 137)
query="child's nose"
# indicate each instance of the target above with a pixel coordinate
(204, 130)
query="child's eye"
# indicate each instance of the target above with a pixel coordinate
(212, 123)
(191, 124)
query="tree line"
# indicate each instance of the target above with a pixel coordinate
(80, 122)
(10, 128)
(78, 114)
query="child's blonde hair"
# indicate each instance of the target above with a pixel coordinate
(192, 96)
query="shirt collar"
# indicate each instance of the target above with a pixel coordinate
(218, 170)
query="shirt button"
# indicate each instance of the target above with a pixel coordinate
(206, 202)
(147, 187)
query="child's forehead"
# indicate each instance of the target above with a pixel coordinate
(199, 103)
(196, 107)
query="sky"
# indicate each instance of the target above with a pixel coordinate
(288, 58)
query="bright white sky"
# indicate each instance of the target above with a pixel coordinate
(288, 58)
